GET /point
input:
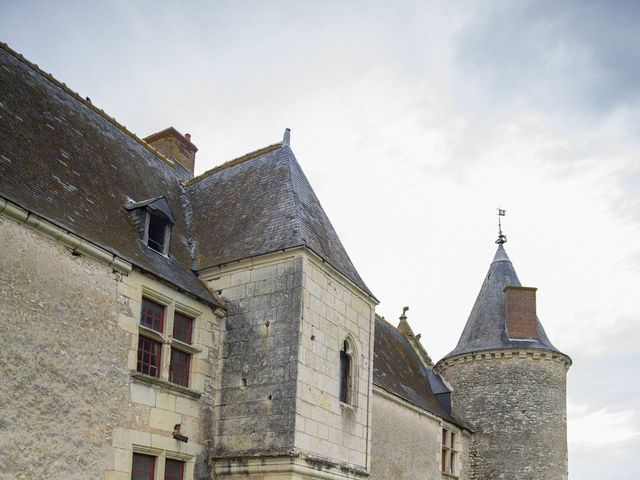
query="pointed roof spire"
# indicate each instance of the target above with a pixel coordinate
(403, 326)
(486, 327)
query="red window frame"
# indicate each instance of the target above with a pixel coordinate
(179, 367)
(149, 356)
(182, 327)
(152, 315)
(143, 467)
(173, 469)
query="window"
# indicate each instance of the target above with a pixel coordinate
(149, 355)
(158, 232)
(448, 452)
(182, 326)
(153, 219)
(173, 469)
(143, 467)
(152, 315)
(347, 382)
(179, 367)
(155, 321)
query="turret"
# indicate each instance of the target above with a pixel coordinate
(509, 382)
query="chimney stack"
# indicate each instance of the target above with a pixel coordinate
(172, 144)
(520, 310)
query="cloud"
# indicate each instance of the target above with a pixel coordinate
(574, 56)
(600, 427)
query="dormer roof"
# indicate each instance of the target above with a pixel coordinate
(157, 204)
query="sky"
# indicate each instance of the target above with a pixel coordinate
(414, 121)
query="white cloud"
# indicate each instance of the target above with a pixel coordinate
(600, 427)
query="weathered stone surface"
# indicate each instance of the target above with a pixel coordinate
(333, 310)
(406, 443)
(256, 411)
(515, 402)
(64, 360)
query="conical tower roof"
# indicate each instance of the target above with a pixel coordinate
(486, 327)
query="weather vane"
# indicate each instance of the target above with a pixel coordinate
(502, 239)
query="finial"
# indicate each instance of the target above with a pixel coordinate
(286, 140)
(404, 313)
(502, 239)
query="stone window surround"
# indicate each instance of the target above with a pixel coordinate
(454, 449)
(168, 342)
(352, 394)
(161, 455)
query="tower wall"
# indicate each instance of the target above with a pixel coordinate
(515, 402)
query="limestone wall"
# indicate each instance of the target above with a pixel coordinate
(63, 360)
(159, 404)
(71, 404)
(515, 401)
(406, 442)
(256, 411)
(333, 310)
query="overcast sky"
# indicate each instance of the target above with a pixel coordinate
(413, 121)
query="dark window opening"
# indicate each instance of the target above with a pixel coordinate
(143, 467)
(182, 327)
(173, 470)
(152, 315)
(149, 352)
(345, 373)
(179, 367)
(157, 237)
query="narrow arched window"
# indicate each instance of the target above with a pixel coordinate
(346, 377)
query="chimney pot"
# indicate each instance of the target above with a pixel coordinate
(187, 136)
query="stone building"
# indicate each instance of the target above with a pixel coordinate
(160, 325)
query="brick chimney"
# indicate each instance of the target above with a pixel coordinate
(172, 144)
(520, 310)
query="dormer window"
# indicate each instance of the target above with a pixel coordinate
(158, 232)
(154, 220)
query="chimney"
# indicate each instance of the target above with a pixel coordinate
(172, 144)
(520, 310)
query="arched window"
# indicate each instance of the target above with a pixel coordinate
(347, 381)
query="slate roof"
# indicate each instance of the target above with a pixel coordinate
(64, 161)
(68, 162)
(486, 326)
(262, 203)
(397, 369)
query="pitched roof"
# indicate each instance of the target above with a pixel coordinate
(398, 369)
(486, 327)
(262, 203)
(69, 163)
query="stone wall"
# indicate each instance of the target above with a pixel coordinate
(256, 410)
(515, 402)
(72, 405)
(159, 404)
(333, 310)
(406, 442)
(63, 360)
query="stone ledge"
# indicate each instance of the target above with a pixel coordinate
(532, 354)
(138, 377)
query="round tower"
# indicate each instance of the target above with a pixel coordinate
(509, 383)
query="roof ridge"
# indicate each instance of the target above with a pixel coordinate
(63, 86)
(233, 162)
(295, 200)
